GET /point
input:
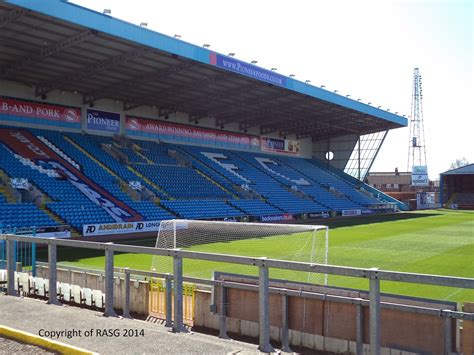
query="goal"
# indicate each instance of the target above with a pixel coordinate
(306, 243)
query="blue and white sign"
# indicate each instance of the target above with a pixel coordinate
(247, 69)
(103, 121)
(419, 176)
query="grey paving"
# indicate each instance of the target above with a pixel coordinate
(9, 347)
(109, 335)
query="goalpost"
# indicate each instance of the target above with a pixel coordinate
(292, 242)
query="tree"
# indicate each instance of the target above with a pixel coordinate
(458, 163)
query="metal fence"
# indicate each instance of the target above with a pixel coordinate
(263, 264)
(25, 252)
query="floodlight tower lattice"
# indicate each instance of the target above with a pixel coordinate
(416, 144)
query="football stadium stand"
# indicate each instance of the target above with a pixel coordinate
(105, 122)
(184, 181)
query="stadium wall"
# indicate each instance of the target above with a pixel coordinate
(19, 91)
(342, 148)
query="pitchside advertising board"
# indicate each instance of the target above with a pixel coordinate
(278, 217)
(39, 113)
(355, 212)
(27, 146)
(103, 121)
(419, 176)
(89, 230)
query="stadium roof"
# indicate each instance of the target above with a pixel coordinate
(463, 170)
(56, 45)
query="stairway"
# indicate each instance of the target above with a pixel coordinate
(215, 183)
(5, 179)
(138, 151)
(60, 221)
(149, 182)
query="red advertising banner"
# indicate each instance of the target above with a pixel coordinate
(179, 130)
(37, 110)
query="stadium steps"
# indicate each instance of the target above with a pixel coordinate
(191, 157)
(91, 157)
(151, 183)
(3, 190)
(138, 151)
(60, 221)
(103, 166)
(215, 183)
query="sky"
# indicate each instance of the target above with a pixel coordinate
(367, 49)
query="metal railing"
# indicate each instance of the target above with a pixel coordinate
(373, 275)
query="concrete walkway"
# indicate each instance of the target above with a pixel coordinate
(90, 330)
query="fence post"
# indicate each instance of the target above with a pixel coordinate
(359, 329)
(448, 336)
(285, 341)
(178, 294)
(109, 283)
(223, 312)
(53, 275)
(11, 267)
(126, 296)
(169, 301)
(374, 295)
(263, 309)
(33, 259)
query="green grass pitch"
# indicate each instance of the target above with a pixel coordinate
(430, 242)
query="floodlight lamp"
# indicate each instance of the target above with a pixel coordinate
(323, 86)
(292, 75)
(254, 62)
(307, 81)
(177, 36)
(143, 24)
(348, 95)
(107, 11)
(369, 103)
(359, 99)
(231, 54)
(336, 91)
(273, 69)
(206, 45)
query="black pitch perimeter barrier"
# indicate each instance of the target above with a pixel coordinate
(263, 264)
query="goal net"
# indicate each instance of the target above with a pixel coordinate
(305, 243)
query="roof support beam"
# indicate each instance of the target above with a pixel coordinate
(166, 94)
(8, 70)
(117, 88)
(256, 113)
(73, 77)
(12, 16)
(254, 103)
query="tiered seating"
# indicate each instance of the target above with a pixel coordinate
(202, 209)
(258, 181)
(275, 184)
(23, 215)
(314, 170)
(255, 207)
(182, 182)
(283, 172)
(147, 209)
